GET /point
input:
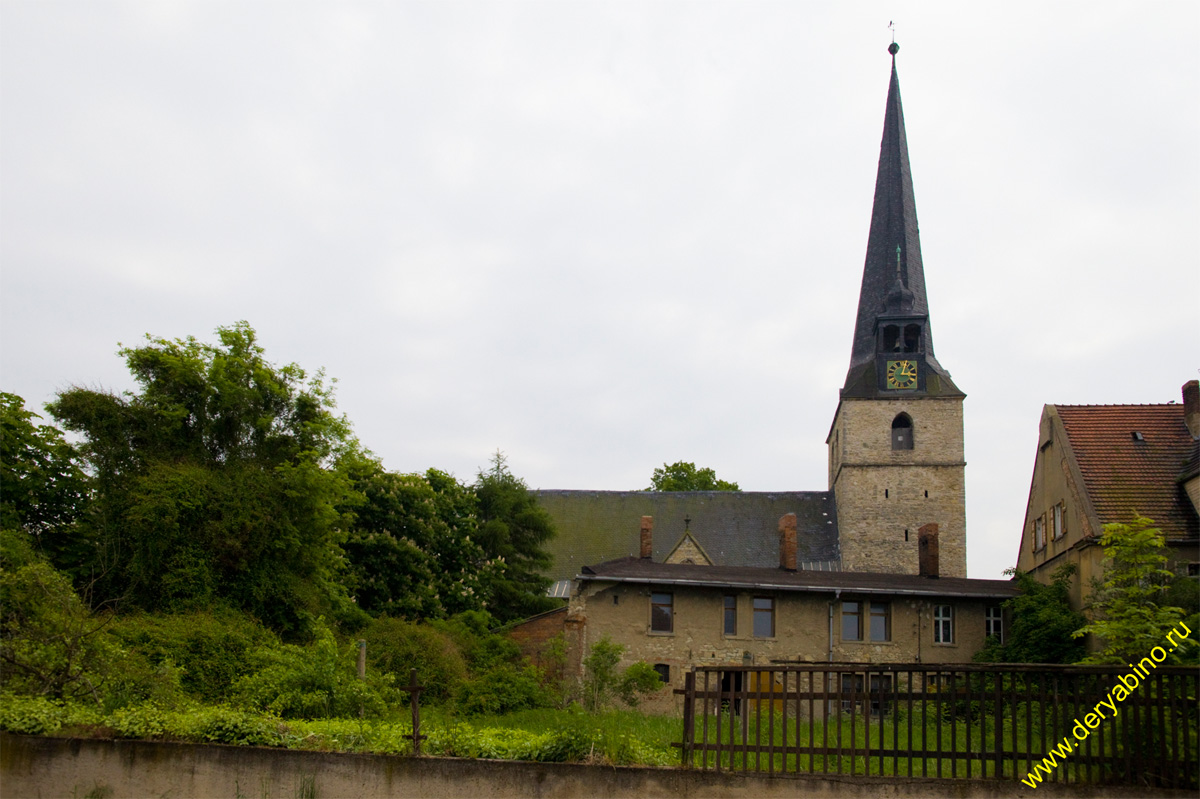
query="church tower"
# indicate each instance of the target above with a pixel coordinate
(896, 463)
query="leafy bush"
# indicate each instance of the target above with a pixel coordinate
(38, 715)
(317, 681)
(603, 682)
(211, 649)
(345, 735)
(471, 632)
(228, 725)
(638, 680)
(395, 646)
(52, 645)
(503, 689)
(140, 721)
(30, 715)
(1041, 623)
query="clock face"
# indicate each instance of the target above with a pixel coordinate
(901, 375)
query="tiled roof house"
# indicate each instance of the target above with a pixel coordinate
(1101, 464)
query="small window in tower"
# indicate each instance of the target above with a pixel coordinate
(902, 432)
(912, 338)
(891, 339)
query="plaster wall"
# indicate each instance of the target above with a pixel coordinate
(621, 612)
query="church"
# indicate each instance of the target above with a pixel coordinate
(872, 569)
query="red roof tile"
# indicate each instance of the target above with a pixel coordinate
(1124, 473)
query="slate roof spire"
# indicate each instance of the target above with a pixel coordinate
(893, 280)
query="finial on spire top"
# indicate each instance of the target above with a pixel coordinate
(893, 48)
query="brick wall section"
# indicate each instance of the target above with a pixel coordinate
(787, 542)
(533, 635)
(881, 493)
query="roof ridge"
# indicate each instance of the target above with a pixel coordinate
(1120, 405)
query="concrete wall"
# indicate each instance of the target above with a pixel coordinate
(46, 768)
(881, 492)
(621, 612)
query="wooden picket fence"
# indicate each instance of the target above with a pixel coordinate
(965, 721)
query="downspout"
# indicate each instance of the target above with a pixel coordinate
(836, 595)
(920, 627)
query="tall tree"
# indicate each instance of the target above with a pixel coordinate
(1130, 613)
(43, 489)
(213, 480)
(513, 531)
(411, 549)
(1041, 623)
(684, 476)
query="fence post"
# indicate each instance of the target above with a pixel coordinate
(413, 691)
(689, 717)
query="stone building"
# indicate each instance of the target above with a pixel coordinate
(1100, 464)
(873, 568)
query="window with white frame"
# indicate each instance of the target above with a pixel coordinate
(1058, 521)
(943, 624)
(764, 617)
(731, 614)
(662, 613)
(1039, 533)
(994, 623)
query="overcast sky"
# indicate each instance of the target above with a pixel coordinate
(605, 236)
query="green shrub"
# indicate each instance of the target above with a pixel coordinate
(53, 645)
(212, 649)
(316, 681)
(482, 648)
(31, 715)
(638, 680)
(603, 681)
(140, 721)
(395, 646)
(228, 725)
(345, 735)
(504, 688)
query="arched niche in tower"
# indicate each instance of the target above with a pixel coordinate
(902, 432)
(890, 340)
(912, 338)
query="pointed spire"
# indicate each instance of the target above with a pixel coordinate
(893, 280)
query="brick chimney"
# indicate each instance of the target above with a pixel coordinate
(787, 542)
(1191, 407)
(647, 537)
(927, 550)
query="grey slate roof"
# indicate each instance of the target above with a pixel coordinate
(637, 570)
(735, 528)
(893, 223)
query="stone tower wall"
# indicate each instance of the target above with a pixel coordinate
(881, 493)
